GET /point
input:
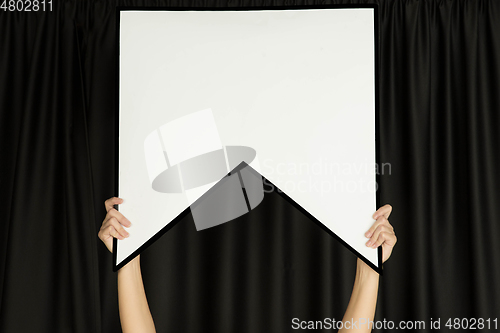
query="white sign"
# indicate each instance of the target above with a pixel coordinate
(290, 93)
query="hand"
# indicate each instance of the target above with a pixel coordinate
(382, 232)
(113, 223)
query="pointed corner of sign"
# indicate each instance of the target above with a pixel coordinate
(144, 246)
(379, 268)
(376, 267)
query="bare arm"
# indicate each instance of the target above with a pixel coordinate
(135, 315)
(134, 309)
(361, 308)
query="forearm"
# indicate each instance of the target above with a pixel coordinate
(361, 308)
(135, 315)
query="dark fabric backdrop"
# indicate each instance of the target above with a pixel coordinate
(439, 125)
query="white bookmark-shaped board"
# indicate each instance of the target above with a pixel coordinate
(218, 107)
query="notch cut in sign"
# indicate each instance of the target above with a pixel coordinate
(186, 156)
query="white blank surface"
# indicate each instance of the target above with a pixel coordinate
(297, 86)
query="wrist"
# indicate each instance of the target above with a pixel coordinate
(133, 265)
(365, 272)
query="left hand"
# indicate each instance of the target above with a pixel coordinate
(382, 232)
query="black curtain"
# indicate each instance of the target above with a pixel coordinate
(439, 127)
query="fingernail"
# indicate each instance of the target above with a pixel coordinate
(369, 243)
(368, 234)
(375, 216)
(127, 234)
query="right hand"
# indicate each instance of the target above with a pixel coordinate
(112, 226)
(382, 232)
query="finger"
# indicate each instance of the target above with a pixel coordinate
(381, 221)
(106, 232)
(109, 231)
(118, 227)
(111, 202)
(385, 237)
(380, 229)
(105, 223)
(385, 211)
(119, 216)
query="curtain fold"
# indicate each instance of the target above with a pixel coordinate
(49, 277)
(439, 130)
